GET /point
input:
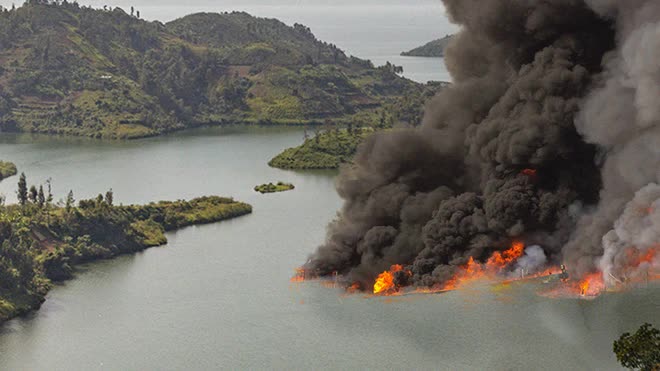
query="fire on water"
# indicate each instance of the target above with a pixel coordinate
(498, 268)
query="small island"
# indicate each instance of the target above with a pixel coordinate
(272, 188)
(7, 169)
(433, 49)
(43, 242)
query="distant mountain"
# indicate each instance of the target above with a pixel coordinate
(435, 48)
(76, 70)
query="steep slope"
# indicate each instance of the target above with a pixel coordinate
(104, 73)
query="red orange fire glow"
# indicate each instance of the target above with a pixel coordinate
(498, 260)
(591, 285)
(529, 172)
(499, 268)
(385, 284)
(299, 276)
(473, 271)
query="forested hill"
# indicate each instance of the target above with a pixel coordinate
(75, 70)
(435, 48)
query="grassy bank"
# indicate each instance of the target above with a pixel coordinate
(43, 242)
(7, 169)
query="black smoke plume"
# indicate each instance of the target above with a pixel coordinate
(533, 141)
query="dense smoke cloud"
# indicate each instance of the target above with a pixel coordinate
(552, 122)
(533, 261)
(622, 116)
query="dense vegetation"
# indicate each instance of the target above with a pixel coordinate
(326, 150)
(435, 48)
(272, 188)
(330, 148)
(71, 69)
(641, 350)
(7, 169)
(42, 242)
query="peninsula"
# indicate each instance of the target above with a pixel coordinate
(7, 169)
(330, 148)
(435, 48)
(44, 242)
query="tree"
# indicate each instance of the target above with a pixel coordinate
(49, 197)
(640, 350)
(22, 190)
(33, 194)
(41, 198)
(109, 197)
(132, 11)
(69, 201)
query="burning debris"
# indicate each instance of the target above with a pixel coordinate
(549, 135)
(385, 282)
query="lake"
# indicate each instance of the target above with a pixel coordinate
(219, 296)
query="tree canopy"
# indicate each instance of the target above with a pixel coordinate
(640, 350)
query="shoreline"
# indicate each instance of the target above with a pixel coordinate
(56, 264)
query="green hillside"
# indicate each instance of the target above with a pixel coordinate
(435, 48)
(330, 149)
(70, 69)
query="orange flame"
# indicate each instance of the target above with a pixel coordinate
(498, 260)
(472, 270)
(355, 287)
(385, 282)
(529, 172)
(638, 257)
(592, 285)
(299, 276)
(469, 272)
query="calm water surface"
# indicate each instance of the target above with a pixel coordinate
(219, 296)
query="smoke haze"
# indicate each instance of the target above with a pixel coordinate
(550, 128)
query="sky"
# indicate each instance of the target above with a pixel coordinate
(166, 10)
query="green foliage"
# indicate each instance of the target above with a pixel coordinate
(22, 192)
(178, 214)
(74, 70)
(333, 147)
(640, 350)
(7, 169)
(327, 150)
(44, 243)
(435, 48)
(272, 188)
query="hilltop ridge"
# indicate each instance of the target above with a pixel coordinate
(71, 69)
